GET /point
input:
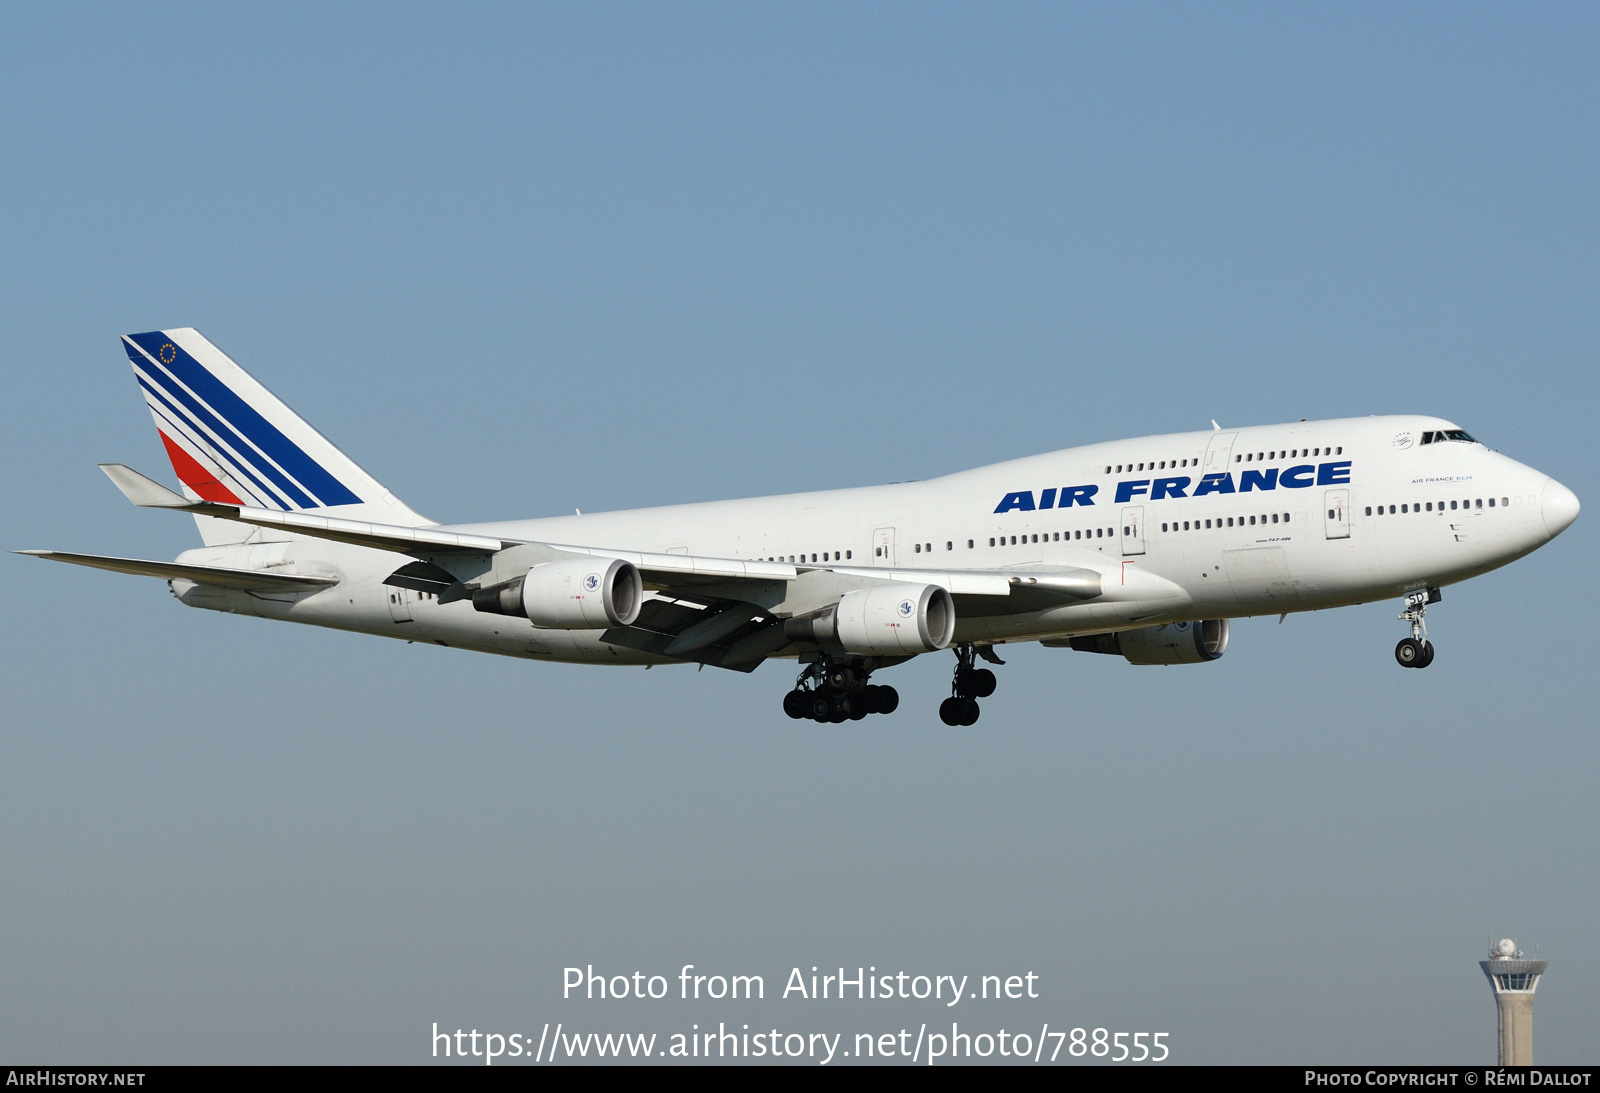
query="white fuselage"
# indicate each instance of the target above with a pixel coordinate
(1187, 526)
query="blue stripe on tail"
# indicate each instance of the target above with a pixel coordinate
(233, 410)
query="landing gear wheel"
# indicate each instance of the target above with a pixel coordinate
(841, 678)
(820, 707)
(969, 711)
(888, 699)
(797, 704)
(950, 711)
(841, 710)
(1417, 651)
(983, 683)
(1410, 653)
(971, 681)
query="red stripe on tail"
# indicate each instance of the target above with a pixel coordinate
(196, 477)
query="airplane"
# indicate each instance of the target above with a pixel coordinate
(1140, 548)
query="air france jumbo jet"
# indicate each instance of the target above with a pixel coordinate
(1140, 548)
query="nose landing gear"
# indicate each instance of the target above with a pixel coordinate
(1416, 651)
(970, 684)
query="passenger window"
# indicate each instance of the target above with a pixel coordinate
(1369, 512)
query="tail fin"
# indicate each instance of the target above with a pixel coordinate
(232, 441)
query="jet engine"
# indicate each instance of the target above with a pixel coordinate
(884, 620)
(1173, 643)
(579, 594)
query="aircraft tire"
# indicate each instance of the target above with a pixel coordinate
(841, 678)
(797, 704)
(1427, 655)
(983, 683)
(950, 711)
(888, 700)
(1409, 653)
(969, 711)
(821, 709)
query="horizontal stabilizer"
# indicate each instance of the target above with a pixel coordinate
(144, 492)
(246, 579)
(148, 493)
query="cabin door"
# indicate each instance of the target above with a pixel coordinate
(1133, 529)
(1336, 505)
(883, 546)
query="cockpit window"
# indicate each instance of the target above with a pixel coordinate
(1441, 435)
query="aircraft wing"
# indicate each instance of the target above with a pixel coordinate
(250, 580)
(661, 572)
(723, 611)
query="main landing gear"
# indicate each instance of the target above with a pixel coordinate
(970, 684)
(1416, 651)
(837, 691)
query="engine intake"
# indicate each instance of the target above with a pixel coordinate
(884, 620)
(1172, 643)
(579, 594)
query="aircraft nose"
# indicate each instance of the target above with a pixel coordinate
(1560, 507)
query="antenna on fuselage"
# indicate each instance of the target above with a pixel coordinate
(1215, 428)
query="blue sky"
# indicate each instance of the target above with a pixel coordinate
(519, 259)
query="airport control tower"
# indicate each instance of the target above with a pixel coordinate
(1513, 981)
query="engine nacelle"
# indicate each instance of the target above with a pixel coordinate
(1173, 643)
(884, 620)
(583, 594)
(579, 594)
